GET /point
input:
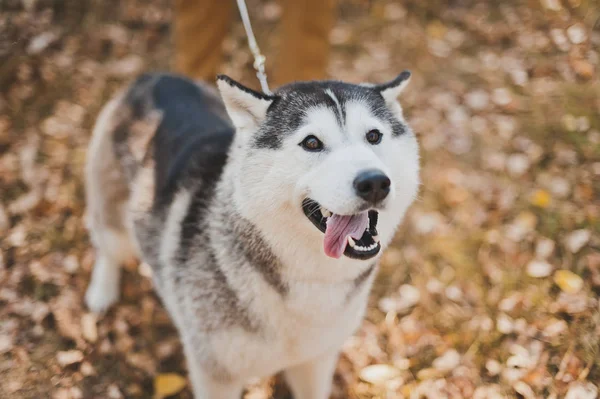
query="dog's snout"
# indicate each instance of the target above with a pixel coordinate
(372, 185)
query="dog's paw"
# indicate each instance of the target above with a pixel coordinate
(99, 298)
(101, 295)
(104, 288)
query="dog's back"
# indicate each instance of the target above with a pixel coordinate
(163, 133)
(192, 121)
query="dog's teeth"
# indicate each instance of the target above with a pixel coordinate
(360, 248)
(376, 239)
(325, 212)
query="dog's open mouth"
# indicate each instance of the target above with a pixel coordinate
(354, 236)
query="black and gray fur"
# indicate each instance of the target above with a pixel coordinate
(160, 187)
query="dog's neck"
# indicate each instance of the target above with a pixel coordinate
(296, 246)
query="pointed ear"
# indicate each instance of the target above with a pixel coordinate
(246, 108)
(392, 89)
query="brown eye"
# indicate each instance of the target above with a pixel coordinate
(311, 143)
(374, 136)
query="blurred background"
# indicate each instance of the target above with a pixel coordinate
(491, 287)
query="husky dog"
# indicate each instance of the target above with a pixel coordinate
(262, 217)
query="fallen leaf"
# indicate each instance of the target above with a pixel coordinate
(61, 393)
(555, 327)
(540, 198)
(517, 164)
(593, 264)
(524, 390)
(583, 68)
(114, 392)
(505, 324)
(142, 360)
(559, 186)
(428, 374)
(379, 374)
(66, 358)
(168, 384)
(553, 5)
(87, 369)
(65, 309)
(582, 390)
(570, 303)
(568, 281)
(88, 327)
(493, 367)
(544, 248)
(560, 39)
(477, 99)
(128, 66)
(448, 361)
(488, 392)
(409, 294)
(501, 96)
(4, 220)
(569, 122)
(6, 344)
(577, 239)
(41, 41)
(576, 33)
(539, 269)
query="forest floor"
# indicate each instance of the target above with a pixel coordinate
(491, 287)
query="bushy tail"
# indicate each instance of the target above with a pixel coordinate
(135, 124)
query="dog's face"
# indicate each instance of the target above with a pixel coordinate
(338, 157)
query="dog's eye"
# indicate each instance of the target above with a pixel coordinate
(311, 143)
(374, 136)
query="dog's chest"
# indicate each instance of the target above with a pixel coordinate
(308, 322)
(317, 319)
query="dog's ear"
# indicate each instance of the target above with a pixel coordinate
(246, 108)
(392, 89)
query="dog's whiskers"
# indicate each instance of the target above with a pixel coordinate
(314, 208)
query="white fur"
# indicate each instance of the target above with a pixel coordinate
(104, 287)
(312, 379)
(246, 111)
(331, 95)
(391, 94)
(275, 182)
(170, 237)
(316, 315)
(301, 332)
(113, 243)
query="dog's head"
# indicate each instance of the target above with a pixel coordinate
(338, 157)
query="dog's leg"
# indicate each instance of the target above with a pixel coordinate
(313, 379)
(206, 387)
(103, 290)
(106, 195)
(104, 287)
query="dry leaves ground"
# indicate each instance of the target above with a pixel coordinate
(491, 288)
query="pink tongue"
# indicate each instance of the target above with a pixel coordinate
(339, 228)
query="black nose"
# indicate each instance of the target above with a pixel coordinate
(372, 185)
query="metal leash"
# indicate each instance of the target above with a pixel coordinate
(259, 59)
